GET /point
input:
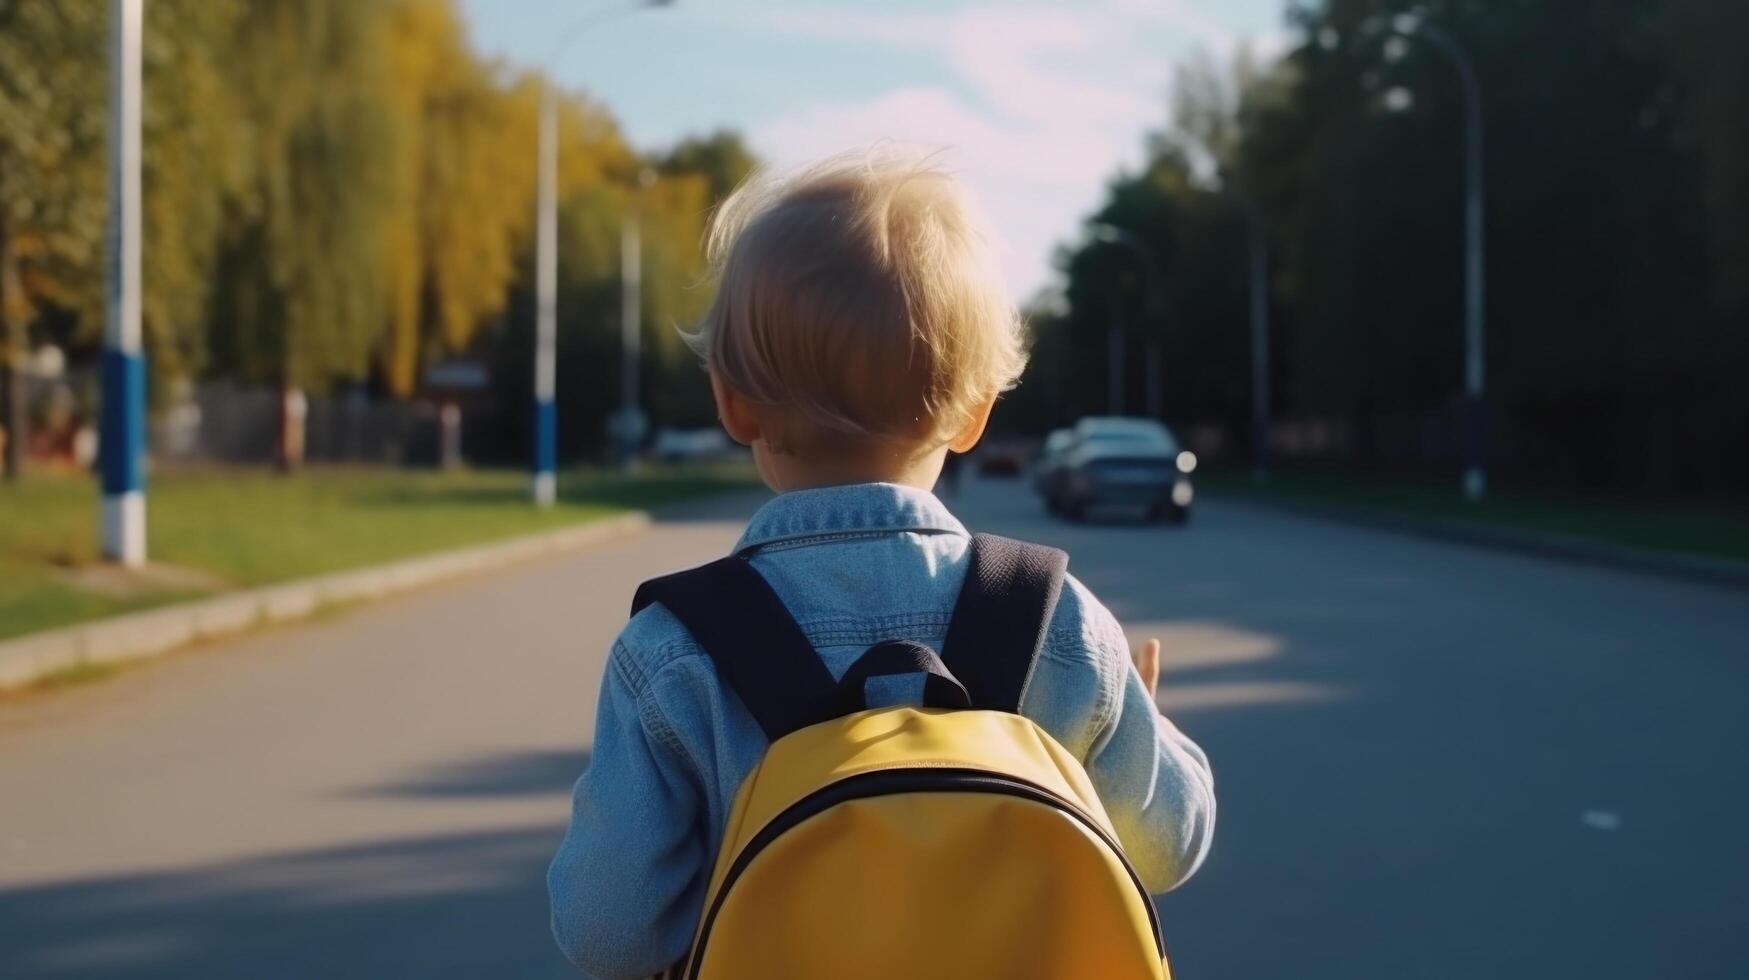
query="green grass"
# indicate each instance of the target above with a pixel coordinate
(249, 527)
(73, 675)
(1712, 532)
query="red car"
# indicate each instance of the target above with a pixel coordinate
(1006, 456)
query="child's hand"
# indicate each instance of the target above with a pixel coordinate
(1147, 657)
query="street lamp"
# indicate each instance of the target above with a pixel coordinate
(546, 323)
(1156, 306)
(1475, 415)
(122, 424)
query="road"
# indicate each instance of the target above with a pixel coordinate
(1433, 761)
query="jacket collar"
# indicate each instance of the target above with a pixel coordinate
(854, 508)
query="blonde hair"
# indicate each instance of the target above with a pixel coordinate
(859, 294)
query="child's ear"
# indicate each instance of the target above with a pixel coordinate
(739, 419)
(974, 429)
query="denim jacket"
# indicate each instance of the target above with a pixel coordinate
(855, 565)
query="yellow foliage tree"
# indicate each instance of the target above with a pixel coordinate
(463, 186)
(459, 192)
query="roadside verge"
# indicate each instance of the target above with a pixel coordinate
(1548, 544)
(31, 658)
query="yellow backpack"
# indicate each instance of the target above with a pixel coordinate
(954, 840)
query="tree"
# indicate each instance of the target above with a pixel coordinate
(194, 160)
(1195, 234)
(462, 190)
(1618, 300)
(301, 301)
(335, 192)
(52, 214)
(721, 158)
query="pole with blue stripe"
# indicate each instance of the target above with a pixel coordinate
(546, 273)
(546, 325)
(122, 431)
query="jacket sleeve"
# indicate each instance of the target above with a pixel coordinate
(1154, 781)
(628, 881)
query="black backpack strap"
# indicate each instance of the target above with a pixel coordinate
(759, 651)
(999, 622)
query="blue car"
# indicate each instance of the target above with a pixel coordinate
(1116, 461)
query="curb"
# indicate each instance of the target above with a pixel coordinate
(1547, 544)
(154, 632)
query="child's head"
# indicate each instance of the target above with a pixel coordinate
(860, 327)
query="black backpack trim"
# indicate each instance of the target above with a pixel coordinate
(993, 639)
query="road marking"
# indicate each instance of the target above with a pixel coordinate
(1600, 819)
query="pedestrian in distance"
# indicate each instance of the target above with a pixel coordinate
(868, 743)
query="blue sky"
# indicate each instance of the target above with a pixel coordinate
(1034, 103)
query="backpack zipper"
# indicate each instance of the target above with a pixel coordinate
(887, 782)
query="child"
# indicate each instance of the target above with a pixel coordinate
(858, 334)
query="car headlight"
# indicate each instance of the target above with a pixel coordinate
(1187, 462)
(1182, 494)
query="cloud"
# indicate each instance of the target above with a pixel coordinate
(1046, 103)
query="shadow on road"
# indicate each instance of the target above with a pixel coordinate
(505, 774)
(468, 905)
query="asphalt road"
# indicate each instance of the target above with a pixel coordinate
(1433, 761)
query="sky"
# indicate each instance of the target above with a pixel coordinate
(1033, 104)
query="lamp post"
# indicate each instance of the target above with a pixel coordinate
(1259, 303)
(1475, 413)
(1156, 306)
(1258, 291)
(123, 418)
(630, 424)
(546, 322)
